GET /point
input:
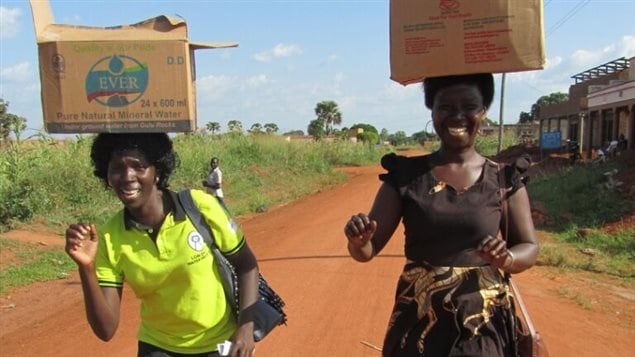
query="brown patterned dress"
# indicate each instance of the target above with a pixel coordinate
(449, 302)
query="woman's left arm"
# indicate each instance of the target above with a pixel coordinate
(521, 234)
(246, 266)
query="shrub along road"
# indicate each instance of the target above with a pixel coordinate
(336, 306)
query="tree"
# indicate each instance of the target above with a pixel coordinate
(316, 129)
(384, 134)
(553, 98)
(524, 117)
(271, 128)
(213, 127)
(328, 112)
(294, 133)
(365, 127)
(422, 136)
(10, 123)
(369, 137)
(235, 126)
(256, 128)
(398, 138)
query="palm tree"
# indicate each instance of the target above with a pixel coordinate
(213, 127)
(328, 112)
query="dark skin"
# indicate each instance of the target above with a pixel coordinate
(213, 165)
(457, 114)
(134, 181)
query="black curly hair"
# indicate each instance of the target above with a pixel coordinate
(483, 81)
(157, 148)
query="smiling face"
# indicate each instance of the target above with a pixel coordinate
(132, 178)
(457, 114)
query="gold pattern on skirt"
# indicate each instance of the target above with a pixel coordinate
(427, 281)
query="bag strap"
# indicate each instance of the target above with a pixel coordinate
(225, 269)
(503, 196)
(197, 219)
(505, 224)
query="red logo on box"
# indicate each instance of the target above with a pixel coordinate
(449, 5)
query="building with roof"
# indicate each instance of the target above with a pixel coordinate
(600, 109)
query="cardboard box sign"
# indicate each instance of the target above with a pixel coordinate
(129, 78)
(448, 37)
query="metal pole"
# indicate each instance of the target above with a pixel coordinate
(501, 111)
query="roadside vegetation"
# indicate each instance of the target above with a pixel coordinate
(51, 183)
(580, 201)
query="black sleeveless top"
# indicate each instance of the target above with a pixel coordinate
(443, 226)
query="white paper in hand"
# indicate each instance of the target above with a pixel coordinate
(224, 348)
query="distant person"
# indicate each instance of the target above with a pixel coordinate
(622, 143)
(611, 149)
(214, 180)
(153, 247)
(451, 298)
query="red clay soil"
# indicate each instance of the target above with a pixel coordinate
(336, 306)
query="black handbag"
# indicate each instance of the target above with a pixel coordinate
(268, 311)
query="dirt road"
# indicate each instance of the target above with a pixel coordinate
(336, 306)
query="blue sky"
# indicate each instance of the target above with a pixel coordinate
(296, 53)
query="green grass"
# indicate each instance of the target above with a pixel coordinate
(576, 196)
(578, 204)
(53, 182)
(32, 265)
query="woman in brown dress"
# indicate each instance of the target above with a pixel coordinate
(451, 298)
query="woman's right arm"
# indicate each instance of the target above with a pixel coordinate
(367, 235)
(102, 304)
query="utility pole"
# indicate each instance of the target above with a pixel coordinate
(501, 112)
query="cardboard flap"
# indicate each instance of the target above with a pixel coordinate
(42, 16)
(157, 28)
(203, 45)
(160, 23)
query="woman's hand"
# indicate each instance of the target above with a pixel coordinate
(81, 243)
(494, 250)
(243, 344)
(359, 229)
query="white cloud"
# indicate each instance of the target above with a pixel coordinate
(552, 63)
(21, 72)
(397, 92)
(279, 51)
(339, 77)
(9, 22)
(627, 47)
(257, 81)
(214, 87)
(329, 59)
(586, 58)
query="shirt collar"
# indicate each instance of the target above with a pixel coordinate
(178, 213)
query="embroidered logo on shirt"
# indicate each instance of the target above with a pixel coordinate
(195, 241)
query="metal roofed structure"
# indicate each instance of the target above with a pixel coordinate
(616, 65)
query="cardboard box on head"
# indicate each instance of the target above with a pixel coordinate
(128, 78)
(430, 38)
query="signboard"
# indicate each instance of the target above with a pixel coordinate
(551, 140)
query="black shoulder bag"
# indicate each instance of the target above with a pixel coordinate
(268, 310)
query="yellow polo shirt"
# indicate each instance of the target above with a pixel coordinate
(183, 306)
